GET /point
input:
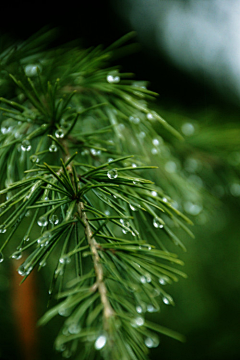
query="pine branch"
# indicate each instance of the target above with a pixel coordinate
(74, 106)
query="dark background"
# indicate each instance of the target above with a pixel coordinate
(98, 22)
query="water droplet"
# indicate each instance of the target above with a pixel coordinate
(132, 207)
(157, 223)
(8, 182)
(59, 271)
(64, 312)
(74, 328)
(28, 213)
(235, 189)
(4, 129)
(34, 159)
(167, 300)
(188, 129)
(191, 165)
(1, 257)
(42, 221)
(65, 331)
(59, 133)
(139, 309)
(23, 271)
(44, 238)
(154, 151)
(124, 222)
(170, 167)
(148, 342)
(60, 347)
(145, 279)
(110, 160)
(155, 142)
(112, 78)
(85, 152)
(134, 120)
(54, 219)
(154, 193)
(142, 135)
(148, 278)
(139, 321)
(26, 146)
(17, 135)
(191, 208)
(175, 205)
(151, 342)
(67, 353)
(107, 212)
(41, 242)
(164, 199)
(151, 308)
(150, 116)
(32, 70)
(100, 342)
(139, 84)
(53, 148)
(25, 239)
(42, 263)
(67, 259)
(3, 230)
(196, 180)
(112, 174)
(93, 152)
(162, 281)
(10, 128)
(17, 255)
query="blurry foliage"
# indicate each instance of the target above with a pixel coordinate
(207, 309)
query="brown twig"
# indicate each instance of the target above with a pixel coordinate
(107, 309)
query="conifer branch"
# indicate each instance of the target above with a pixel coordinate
(98, 209)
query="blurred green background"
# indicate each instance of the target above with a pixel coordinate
(207, 303)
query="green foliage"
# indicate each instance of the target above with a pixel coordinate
(77, 177)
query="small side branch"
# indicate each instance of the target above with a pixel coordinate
(100, 285)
